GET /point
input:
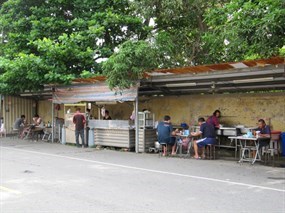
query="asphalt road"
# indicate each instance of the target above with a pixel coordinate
(42, 177)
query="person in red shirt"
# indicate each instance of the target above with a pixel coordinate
(214, 119)
(79, 121)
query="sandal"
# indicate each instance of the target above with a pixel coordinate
(198, 158)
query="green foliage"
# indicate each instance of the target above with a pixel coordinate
(125, 67)
(56, 41)
(44, 42)
(244, 30)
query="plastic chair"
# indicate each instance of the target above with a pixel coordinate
(47, 136)
(15, 133)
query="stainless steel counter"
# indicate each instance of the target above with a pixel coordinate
(122, 138)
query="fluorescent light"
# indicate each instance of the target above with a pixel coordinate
(252, 80)
(181, 84)
(106, 102)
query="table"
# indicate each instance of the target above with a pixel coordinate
(228, 131)
(244, 147)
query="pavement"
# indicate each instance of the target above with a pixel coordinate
(38, 177)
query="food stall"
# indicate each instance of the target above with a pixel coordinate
(69, 111)
(117, 133)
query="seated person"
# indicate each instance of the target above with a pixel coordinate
(184, 141)
(2, 128)
(107, 116)
(208, 137)
(214, 119)
(19, 123)
(37, 121)
(265, 133)
(166, 134)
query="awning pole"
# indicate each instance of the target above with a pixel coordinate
(137, 123)
(52, 122)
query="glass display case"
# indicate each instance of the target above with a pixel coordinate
(146, 120)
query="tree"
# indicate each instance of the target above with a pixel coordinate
(178, 28)
(242, 30)
(128, 65)
(56, 41)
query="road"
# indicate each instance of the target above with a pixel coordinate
(42, 177)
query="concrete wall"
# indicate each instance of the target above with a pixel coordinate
(243, 109)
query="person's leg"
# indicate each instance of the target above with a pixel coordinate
(77, 138)
(199, 144)
(82, 136)
(87, 136)
(195, 149)
(173, 145)
(164, 150)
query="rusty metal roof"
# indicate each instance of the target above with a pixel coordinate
(90, 80)
(217, 67)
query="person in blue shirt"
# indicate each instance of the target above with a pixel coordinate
(263, 129)
(208, 137)
(166, 134)
(264, 133)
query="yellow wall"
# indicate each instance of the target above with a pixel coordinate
(236, 109)
(13, 107)
(45, 111)
(243, 109)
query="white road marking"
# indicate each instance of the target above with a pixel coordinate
(2, 188)
(150, 170)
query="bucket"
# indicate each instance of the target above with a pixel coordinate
(283, 143)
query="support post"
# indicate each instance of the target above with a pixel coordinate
(137, 123)
(52, 122)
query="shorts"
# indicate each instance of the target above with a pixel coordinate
(205, 141)
(263, 142)
(169, 141)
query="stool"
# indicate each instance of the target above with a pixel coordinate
(161, 149)
(269, 154)
(47, 136)
(15, 133)
(210, 151)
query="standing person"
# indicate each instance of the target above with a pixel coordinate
(79, 121)
(107, 115)
(208, 137)
(214, 119)
(166, 134)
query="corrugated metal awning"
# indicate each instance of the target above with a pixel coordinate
(92, 92)
(245, 76)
